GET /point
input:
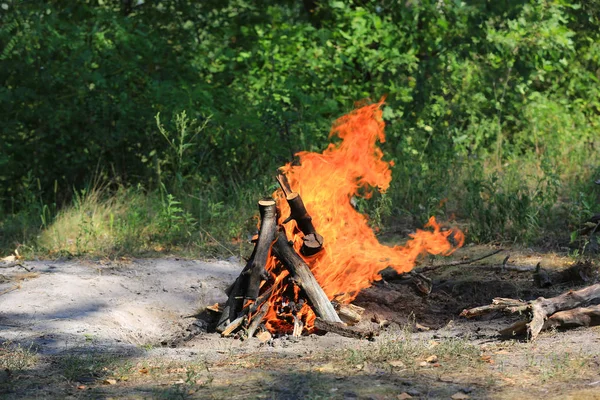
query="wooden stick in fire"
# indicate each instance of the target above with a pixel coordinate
(266, 236)
(247, 284)
(304, 278)
(312, 241)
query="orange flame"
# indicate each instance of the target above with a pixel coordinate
(352, 257)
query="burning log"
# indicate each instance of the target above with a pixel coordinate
(304, 278)
(247, 284)
(565, 310)
(268, 226)
(257, 319)
(312, 241)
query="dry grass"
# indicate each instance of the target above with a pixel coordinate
(15, 357)
(403, 350)
(101, 225)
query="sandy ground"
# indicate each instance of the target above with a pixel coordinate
(120, 305)
(121, 329)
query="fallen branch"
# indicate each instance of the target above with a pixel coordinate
(542, 308)
(566, 310)
(18, 263)
(10, 289)
(343, 330)
(498, 304)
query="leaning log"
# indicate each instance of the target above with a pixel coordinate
(304, 278)
(235, 299)
(247, 284)
(268, 226)
(312, 241)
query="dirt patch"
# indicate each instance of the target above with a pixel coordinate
(119, 305)
(98, 330)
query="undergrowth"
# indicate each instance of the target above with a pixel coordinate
(527, 199)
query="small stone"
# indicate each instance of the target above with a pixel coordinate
(404, 396)
(432, 359)
(110, 381)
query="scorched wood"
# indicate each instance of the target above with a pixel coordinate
(312, 241)
(268, 226)
(304, 278)
(247, 284)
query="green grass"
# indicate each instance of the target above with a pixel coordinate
(132, 221)
(526, 198)
(521, 204)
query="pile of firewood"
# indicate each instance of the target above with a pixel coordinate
(249, 297)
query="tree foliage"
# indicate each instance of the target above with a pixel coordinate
(83, 81)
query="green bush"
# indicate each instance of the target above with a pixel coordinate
(477, 92)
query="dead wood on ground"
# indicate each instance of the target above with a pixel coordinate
(344, 330)
(571, 308)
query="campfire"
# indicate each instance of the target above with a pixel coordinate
(315, 252)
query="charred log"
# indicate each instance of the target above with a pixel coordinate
(583, 316)
(304, 278)
(268, 226)
(313, 242)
